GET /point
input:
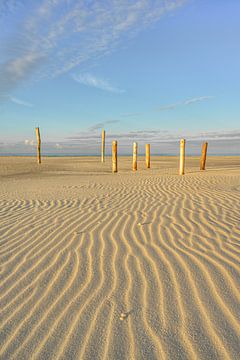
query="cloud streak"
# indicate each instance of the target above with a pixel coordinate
(56, 36)
(20, 102)
(162, 142)
(95, 82)
(14, 71)
(28, 142)
(185, 103)
(101, 125)
(156, 136)
(171, 106)
(197, 99)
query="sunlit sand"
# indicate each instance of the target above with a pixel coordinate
(131, 265)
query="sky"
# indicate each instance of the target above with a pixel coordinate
(150, 71)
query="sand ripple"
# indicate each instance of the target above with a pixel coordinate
(161, 251)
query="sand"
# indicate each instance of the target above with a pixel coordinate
(142, 265)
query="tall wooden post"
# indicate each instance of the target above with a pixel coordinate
(114, 157)
(204, 156)
(38, 145)
(135, 148)
(103, 146)
(182, 157)
(148, 156)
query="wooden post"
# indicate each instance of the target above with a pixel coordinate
(114, 157)
(204, 156)
(38, 145)
(103, 146)
(182, 156)
(135, 148)
(148, 156)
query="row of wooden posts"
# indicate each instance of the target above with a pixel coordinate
(135, 153)
(147, 156)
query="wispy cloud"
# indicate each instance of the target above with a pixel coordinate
(20, 102)
(101, 125)
(29, 142)
(14, 71)
(9, 6)
(162, 142)
(55, 36)
(95, 82)
(129, 115)
(156, 136)
(185, 102)
(197, 99)
(170, 106)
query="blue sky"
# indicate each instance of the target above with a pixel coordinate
(147, 71)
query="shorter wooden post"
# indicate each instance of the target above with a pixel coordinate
(103, 146)
(135, 148)
(204, 156)
(114, 157)
(38, 145)
(182, 157)
(148, 156)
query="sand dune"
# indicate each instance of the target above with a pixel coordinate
(140, 265)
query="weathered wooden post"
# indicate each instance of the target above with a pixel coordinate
(135, 148)
(182, 157)
(148, 156)
(204, 156)
(103, 146)
(38, 145)
(114, 157)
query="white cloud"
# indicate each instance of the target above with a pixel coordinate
(162, 142)
(156, 136)
(171, 106)
(55, 36)
(10, 6)
(14, 71)
(197, 99)
(29, 142)
(20, 102)
(101, 125)
(185, 102)
(95, 82)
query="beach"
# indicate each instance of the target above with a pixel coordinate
(127, 265)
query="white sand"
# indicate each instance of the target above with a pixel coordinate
(142, 265)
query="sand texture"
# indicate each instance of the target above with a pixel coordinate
(142, 265)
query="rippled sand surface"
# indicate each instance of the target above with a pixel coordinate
(95, 265)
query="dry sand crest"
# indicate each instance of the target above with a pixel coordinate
(139, 265)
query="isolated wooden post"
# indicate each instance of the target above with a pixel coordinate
(148, 156)
(103, 146)
(204, 156)
(114, 157)
(38, 145)
(135, 148)
(182, 156)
